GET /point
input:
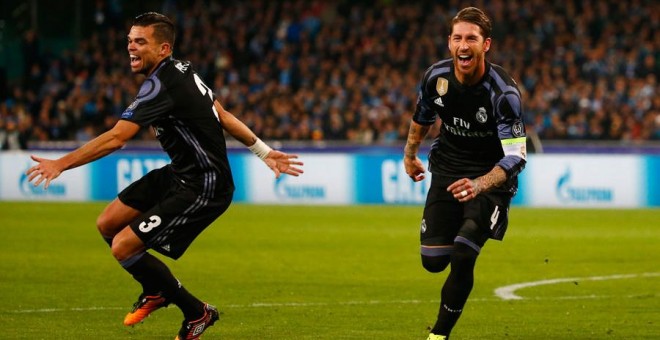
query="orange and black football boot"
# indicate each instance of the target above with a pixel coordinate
(145, 305)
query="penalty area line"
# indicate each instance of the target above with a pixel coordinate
(509, 292)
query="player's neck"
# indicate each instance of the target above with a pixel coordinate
(473, 78)
(155, 67)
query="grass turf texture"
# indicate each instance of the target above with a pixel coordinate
(292, 272)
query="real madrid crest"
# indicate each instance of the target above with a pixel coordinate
(441, 86)
(481, 115)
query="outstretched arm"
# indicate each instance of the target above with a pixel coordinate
(277, 161)
(111, 140)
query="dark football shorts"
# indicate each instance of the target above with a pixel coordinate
(444, 216)
(173, 212)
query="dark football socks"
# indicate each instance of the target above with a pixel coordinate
(456, 289)
(156, 278)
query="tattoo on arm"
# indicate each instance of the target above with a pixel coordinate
(493, 179)
(415, 136)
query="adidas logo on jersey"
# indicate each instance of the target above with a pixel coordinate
(438, 101)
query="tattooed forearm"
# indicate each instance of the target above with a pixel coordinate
(492, 179)
(410, 151)
(416, 134)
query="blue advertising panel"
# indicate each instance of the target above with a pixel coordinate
(652, 186)
(523, 184)
(558, 180)
(238, 170)
(113, 173)
(382, 179)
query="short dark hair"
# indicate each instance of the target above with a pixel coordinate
(164, 30)
(475, 16)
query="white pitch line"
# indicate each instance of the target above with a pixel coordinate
(55, 310)
(239, 306)
(508, 292)
(321, 304)
(338, 303)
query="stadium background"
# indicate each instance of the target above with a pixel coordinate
(339, 79)
(292, 267)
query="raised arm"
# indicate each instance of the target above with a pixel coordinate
(106, 143)
(279, 162)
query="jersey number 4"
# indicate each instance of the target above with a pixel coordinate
(494, 217)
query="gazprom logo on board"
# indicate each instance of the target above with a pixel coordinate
(569, 192)
(28, 189)
(286, 190)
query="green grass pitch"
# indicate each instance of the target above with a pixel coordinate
(307, 272)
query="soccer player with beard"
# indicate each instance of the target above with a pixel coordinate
(474, 161)
(169, 207)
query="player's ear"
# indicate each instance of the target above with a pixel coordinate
(487, 44)
(165, 49)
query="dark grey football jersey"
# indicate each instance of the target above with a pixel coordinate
(177, 104)
(480, 123)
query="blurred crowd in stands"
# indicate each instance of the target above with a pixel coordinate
(349, 70)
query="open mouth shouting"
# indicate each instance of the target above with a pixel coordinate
(135, 60)
(464, 60)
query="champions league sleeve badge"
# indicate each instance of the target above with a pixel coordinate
(518, 129)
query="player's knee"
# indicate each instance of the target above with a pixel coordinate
(103, 226)
(126, 244)
(435, 264)
(119, 251)
(108, 226)
(463, 257)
